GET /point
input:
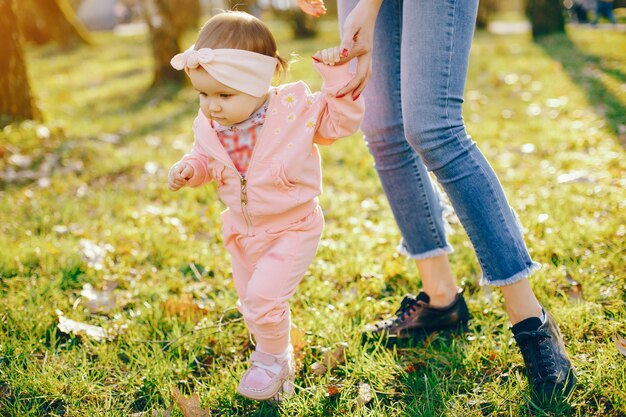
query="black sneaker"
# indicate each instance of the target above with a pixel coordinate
(416, 316)
(549, 370)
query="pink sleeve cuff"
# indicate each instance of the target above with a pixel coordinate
(335, 77)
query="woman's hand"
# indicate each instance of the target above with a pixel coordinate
(358, 41)
(314, 8)
(179, 175)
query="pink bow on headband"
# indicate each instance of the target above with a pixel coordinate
(245, 71)
(192, 58)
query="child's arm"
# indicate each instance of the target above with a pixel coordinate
(191, 170)
(340, 116)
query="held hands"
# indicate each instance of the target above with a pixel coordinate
(179, 175)
(330, 56)
(357, 39)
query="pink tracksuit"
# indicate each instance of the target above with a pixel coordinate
(273, 223)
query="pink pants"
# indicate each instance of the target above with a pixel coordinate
(267, 269)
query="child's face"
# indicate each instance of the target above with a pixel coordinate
(221, 103)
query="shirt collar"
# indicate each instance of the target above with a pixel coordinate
(257, 118)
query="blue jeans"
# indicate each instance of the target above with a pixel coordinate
(604, 8)
(413, 125)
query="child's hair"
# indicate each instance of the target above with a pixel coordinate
(240, 30)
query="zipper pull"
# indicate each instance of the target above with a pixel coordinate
(244, 191)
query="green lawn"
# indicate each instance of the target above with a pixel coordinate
(84, 201)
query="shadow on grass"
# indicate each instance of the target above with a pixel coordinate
(152, 97)
(585, 69)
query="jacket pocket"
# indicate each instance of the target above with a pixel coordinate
(280, 178)
(270, 189)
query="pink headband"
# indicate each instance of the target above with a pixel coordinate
(245, 71)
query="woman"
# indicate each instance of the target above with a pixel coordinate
(417, 54)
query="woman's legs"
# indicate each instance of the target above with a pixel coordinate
(412, 197)
(437, 280)
(437, 36)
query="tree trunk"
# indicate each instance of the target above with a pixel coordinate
(486, 8)
(44, 21)
(302, 25)
(164, 40)
(546, 16)
(187, 16)
(16, 102)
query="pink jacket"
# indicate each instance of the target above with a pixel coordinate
(284, 176)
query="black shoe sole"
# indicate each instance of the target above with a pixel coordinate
(407, 338)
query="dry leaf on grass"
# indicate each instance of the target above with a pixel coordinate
(189, 406)
(365, 394)
(80, 329)
(333, 390)
(332, 358)
(575, 289)
(185, 307)
(298, 341)
(620, 343)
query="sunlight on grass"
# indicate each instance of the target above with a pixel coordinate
(85, 201)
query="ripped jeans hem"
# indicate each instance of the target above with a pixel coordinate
(534, 266)
(424, 255)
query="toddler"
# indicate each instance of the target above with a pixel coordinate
(258, 142)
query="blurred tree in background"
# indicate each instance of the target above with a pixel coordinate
(302, 25)
(16, 102)
(187, 16)
(546, 16)
(167, 21)
(486, 8)
(45, 21)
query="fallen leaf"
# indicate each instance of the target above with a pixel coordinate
(410, 369)
(332, 390)
(332, 358)
(189, 406)
(575, 289)
(365, 394)
(620, 343)
(20, 161)
(574, 176)
(297, 337)
(79, 329)
(185, 307)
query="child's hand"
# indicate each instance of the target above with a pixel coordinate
(330, 56)
(315, 8)
(179, 175)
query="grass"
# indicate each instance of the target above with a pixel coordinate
(84, 201)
